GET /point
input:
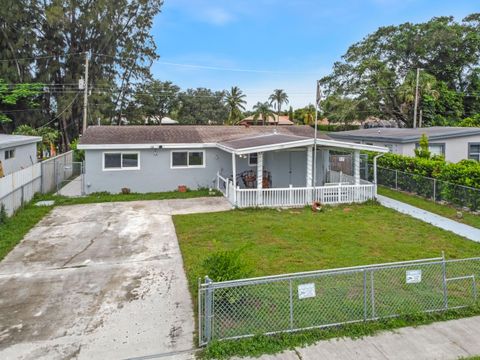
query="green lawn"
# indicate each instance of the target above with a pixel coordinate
(443, 210)
(299, 240)
(18, 225)
(106, 197)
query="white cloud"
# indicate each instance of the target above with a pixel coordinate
(217, 16)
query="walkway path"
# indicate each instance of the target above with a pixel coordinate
(447, 340)
(73, 188)
(439, 221)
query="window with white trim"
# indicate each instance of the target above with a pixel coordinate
(121, 161)
(253, 159)
(474, 151)
(9, 154)
(187, 159)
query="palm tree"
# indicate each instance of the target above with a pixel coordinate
(279, 97)
(263, 111)
(235, 101)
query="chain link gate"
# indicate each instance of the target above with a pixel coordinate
(70, 178)
(302, 301)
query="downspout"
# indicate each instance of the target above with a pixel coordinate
(375, 171)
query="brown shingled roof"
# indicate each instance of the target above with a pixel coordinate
(184, 134)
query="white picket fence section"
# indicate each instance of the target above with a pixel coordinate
(20, 187)
(297, 196)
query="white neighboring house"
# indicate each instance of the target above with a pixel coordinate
(454, 143)
(17, 152)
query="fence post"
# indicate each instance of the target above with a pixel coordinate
(291, 305)
(434, 190)
(444, 276)
(290, 193)
(22, 198)
(208, 310)
(340, 193)
(372, 294)
(364, 294)
(396, 179)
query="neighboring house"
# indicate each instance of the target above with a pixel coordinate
(247, 163)
(157, 120)
(17, 152)
(272, 120)
(454, 143)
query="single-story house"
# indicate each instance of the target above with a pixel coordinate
(272, 120)
(454, 143)
(17, 152)
(251, 165)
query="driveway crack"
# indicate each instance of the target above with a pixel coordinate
(79, 253)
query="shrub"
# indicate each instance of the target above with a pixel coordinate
(3, 214)
(226, 265)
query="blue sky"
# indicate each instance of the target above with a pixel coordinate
(261, 45)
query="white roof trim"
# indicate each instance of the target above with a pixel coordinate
(144, 146)
(353, 146)
(262, 148)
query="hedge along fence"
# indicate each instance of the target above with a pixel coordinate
(457, 183)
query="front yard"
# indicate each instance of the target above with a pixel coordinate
(283, 241)
(277, 242)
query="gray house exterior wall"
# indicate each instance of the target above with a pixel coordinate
(25, 156)
(456, 149)
(287, 167)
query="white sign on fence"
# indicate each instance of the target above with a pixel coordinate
(306, 291)
(414, 276)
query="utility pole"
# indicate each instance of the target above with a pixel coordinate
(317, 105)
(416, 100)
(421, 119)
(85, 94)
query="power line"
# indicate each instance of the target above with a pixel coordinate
(58, 115)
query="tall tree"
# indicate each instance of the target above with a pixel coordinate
(279, 97)
(202, 106)
(375, 70)
(58, 33)
(235, 101)
(262, 111)
(154, 99)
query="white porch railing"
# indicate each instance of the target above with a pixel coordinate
(297, 196)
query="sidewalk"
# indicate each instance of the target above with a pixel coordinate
(447, 340)
(439, 221)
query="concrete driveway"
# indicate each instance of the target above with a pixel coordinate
(99, 281)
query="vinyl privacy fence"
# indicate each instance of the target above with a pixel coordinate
(19, 187)
(293, 302)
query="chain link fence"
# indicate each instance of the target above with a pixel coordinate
(430, 188)
(293, 302)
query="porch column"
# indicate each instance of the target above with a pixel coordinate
(356, 166)
(309, 176)
(234, 176)
(259, 177)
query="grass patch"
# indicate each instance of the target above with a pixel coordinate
(444, 210)
(284, 241)
(15, 227)
(259, 345)
(107, 197)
